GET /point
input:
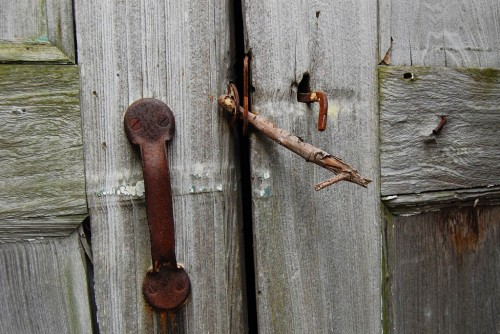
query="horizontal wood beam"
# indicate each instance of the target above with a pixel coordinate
(412, 204)
(465, 154)
(42, 183)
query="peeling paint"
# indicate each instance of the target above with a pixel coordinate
(136, 190)
(262, 184)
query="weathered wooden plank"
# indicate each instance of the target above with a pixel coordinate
(441, 33)
(41, 170)
(412, 204)
(37, 31)
(445, 271)
(177, 52)
(317, 253)
(466, 153)
(43, 287)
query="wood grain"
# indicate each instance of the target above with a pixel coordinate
(445, 271)
(177, 52)
(42, 183)
(37, 31)
(466, 153)
(317, 253)
(412, 204)
(453, 33)
(43, 287)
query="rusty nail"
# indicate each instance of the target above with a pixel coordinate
(438, 129)
(149, 123)
(320, 97)
(245, 95)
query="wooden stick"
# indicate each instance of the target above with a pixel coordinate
(342, 171)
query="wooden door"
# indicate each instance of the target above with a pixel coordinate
(442, 224)
(43, 275)
(416, 251)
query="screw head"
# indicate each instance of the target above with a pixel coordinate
(135, 124)
(163, 121)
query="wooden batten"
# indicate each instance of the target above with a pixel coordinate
(424, 169)
(42, 187)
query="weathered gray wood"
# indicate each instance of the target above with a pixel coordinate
(36, 31)
(445, 271)
(433, 289)
(178, 52)
(467, 151)
(43, 287)
(441, 32)
(412, 204)
(317, 253)
(42, 183)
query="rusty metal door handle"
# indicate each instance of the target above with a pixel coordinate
(149, 123)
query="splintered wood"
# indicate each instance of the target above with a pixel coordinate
(342, 171)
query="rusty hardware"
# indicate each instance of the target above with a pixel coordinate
(320, 97)
(438, 129)
(245, 94)
(149, 123)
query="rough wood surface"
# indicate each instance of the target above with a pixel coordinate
(454, 33)
(177, 52)
(433, 289)
(412, 204)
(36, 31)
(445, 271)
(43, 287)
(42, 183)
(317, 253)
(465, 154)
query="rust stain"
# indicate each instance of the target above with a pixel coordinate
(464, 228)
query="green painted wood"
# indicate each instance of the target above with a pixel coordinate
(41, 171)
(37, 31)
(465, 154)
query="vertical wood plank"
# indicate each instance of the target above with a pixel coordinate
(43, 287)
(37, 31)
(445, 271)
(177, 52)
(317, 253)
(454, 33)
